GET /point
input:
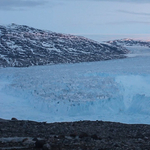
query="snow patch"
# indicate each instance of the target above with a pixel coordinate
(46, 44)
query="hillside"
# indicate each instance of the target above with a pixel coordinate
(22, 46)
(129, 42)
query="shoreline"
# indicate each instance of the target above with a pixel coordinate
(79, 135)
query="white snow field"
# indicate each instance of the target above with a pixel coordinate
(114, 90)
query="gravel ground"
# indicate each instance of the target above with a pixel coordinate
(82, 135)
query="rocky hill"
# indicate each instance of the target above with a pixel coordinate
(129, 42)
(22, 46)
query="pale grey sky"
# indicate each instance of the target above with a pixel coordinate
(79, 16)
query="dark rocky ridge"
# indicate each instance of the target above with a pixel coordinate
(81, 135)
(22, 46)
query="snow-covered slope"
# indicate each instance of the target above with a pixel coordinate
(22, 46)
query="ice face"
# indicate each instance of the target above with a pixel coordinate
(115, 90)
(136, 93)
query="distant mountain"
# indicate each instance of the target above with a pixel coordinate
(129, 42)
(22, 46)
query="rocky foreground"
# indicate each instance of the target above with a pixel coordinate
(81, 135)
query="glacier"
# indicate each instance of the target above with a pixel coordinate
(113, 90)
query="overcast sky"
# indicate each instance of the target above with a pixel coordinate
(79, 16)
